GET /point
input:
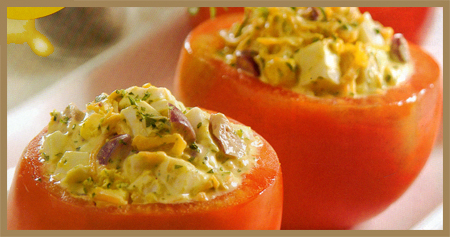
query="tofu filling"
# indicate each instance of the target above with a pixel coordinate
(140, 145)
(318, 51)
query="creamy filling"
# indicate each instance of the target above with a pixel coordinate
(140, 145)
(331, 51)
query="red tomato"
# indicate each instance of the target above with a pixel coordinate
(410, 21)
(344, 159)
(34, 203)
(204, 13)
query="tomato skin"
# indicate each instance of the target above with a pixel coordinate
(344, 160)
(204, 14)
(410, 21)
(256, 204)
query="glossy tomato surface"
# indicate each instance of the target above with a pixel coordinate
(410, 21)
(34, 203)
(204, 13)
(344, 160)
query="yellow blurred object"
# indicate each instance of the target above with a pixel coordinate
(24, 31)
(30, 13)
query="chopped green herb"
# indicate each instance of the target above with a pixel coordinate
(323, 13)
(100, 98)
(244, 22)
(290, 66)
(388, 78)
(264, 11)
(64, 120)
(146, 96)
(194, 146)
(132, 102)
(344, 27)
(54, 114)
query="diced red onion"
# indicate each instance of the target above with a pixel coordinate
(399, 48)
(229, 143)
(119, 145)
(181, 124)
(246, 62)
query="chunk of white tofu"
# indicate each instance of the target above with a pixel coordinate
(376, 64)
(200, 122)
(136, 164)
(178, 176)
(369, 31)
(137, 126)
(54, 146)
(161, 106)
(69, 161)
(74, 178)
(145, 108)
(72, 170)
(90, 126)
(318, 62)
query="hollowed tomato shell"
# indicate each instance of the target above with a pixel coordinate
(34, 203)
(344, 160)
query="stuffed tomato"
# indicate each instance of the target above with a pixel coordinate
(352, 114)
(139, 159)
